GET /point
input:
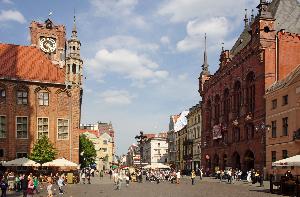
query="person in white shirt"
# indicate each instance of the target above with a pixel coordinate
(178, 176)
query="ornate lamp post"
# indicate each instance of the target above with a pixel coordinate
(141, 139)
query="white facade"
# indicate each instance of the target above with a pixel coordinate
(155, 150)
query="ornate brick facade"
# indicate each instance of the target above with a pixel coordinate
(38, 97)
(233, 133)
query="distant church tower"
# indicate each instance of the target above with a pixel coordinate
(73, 61)
(205, 74)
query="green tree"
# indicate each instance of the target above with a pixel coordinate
(87, 151)
(43, 151)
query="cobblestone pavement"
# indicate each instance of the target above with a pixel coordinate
(207, 187)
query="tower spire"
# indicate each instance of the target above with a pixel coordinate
(74, 30)
(246, 18)
(205, 64)
(252, 15)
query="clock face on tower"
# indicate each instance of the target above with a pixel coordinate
(48, 45)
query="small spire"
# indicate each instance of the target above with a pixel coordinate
(222, 46)
(252, 15)
(246, 18)
(74, 24)
(205, 64)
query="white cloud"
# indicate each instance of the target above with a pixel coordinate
(126, 42)
(215, 28)
(183, 10)
(119, 97)
(165, 40)
(129, 64)
(11, 15)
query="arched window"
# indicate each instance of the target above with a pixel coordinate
(226, 105)
(236, 134)
(237, 97)
(74, 68)
(208, 115)
(250, 92)
(217, 109)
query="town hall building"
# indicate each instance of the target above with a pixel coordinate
(41, 92)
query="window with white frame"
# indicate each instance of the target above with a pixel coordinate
(22, 97)
(62, 129)
(22, 127)
(43, 127)
(2, 126)
(43, 98)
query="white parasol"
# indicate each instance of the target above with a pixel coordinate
(21, 162)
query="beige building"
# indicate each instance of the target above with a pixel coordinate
(104, 148)
(181, 138)
(194, 137)
(283, 119)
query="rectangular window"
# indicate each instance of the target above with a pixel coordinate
(158, 151)
(285, 126)
(273, 129)
(22, 127)
(104, 141)
(43, 127)
(2, 126)
(2, 93)
(104, 150)
(273, 153)
(21, 155)
(274, 104)
(22, 97)
(285, 100)
(284, 154)
(63, 129)
(1, 152)
(43, 98)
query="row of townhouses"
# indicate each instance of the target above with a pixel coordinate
(249, 111)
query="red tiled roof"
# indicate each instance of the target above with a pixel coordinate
(95, 132)
(28, 63)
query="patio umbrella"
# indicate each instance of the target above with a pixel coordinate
(156, 166)
(21, 162)
(291, 161)
(60, 163)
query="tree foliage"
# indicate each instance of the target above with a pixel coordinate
(87, 151)
(43, 151)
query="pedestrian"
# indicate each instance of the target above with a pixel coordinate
(88, 176)
(49, 187)
(18, 183)
(193, 176)
(101, 174)
(178, 176)
(60, 184)
(229, 174)
(127, 180)
(83, 176)
(24, 184)
(30, 188)
(110, 173)
(119, 181)
(3, 186)
(36, 184)
(201, 173)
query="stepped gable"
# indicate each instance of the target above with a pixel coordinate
(29, 64)
(287, 16)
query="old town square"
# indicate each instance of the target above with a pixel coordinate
(150, 98)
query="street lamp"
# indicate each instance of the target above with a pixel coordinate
(140, 139)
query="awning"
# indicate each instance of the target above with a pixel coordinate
(21, 162)
(60, 163)
(291, 161)
(156, 166)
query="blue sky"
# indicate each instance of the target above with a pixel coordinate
(142, 58)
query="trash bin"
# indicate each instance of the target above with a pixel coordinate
(70, 178)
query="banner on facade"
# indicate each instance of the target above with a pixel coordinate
(217, 132)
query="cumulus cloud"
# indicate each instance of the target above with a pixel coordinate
(183, 10)
(129, 64)
(216, 29)
(12, 15)
(7, 1)
(126, 42)
(119, 9)
(119, 97)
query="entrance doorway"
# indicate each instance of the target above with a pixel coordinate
(249, 160)
(236, 160)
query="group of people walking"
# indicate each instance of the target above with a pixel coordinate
(29, 183)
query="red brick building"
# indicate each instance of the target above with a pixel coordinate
(234, 108)
(41, 91)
